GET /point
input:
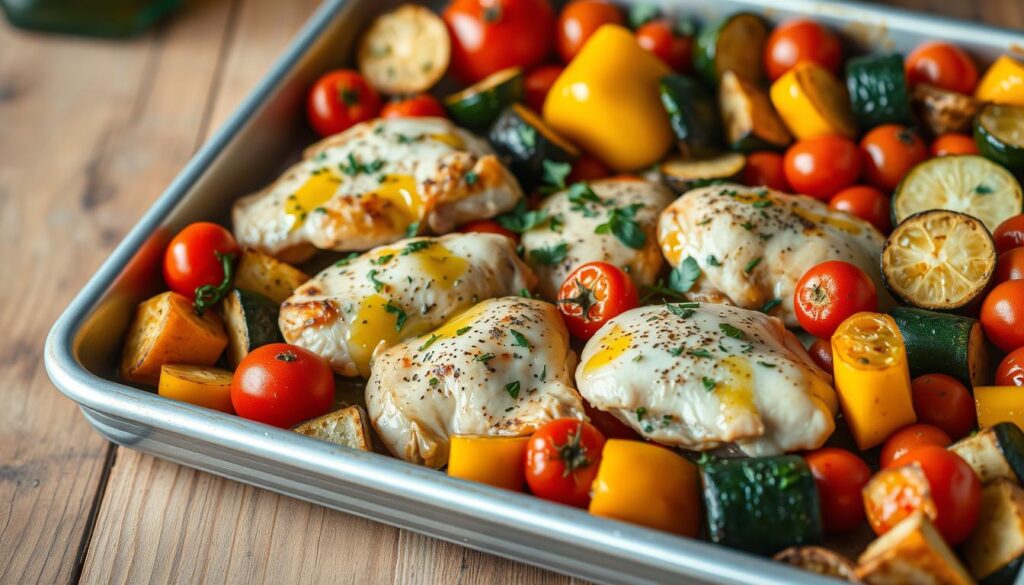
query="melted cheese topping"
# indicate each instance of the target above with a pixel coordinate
(372, 326)
(613, 345)
(316, 191)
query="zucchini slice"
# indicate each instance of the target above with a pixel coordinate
(941, 343)
(734, 44)
(693, 115)
(994, 453)
(998, 537)
(200, 385)
(751, 122)
(761, 505)
(944, 111)
(939, 260)
(878, 90)
(683, 175)
(267, 276)
(405, 51)
(818, 560)
(999, 133)
(964, 183)
(478, 106)
(251, 320)
(524, 141)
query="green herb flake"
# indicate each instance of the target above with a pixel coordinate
(554, 175)
(712, 261)
(417, 246)
(676, 351)
(377, 285)
(765, 364)
(429, 342)
(640, 412)
(470, 178)
(752, 265)
(983, 189)
(382, 260)
(521, 340)
(525, 293)
(412, 229)
(709, 384)
(731, 331)
(400, 316)
(513, 389)
(683, 277)
(768, 306)
(463, 331)
(520, 219)
(347, 259)
(550, 255)
(622, 223)
(433, 381)
(701, 353)
(544, 373)
(484, 357)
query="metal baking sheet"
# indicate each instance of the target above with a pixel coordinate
(264, 134)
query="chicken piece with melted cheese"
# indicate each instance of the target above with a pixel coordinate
(373, 184)
(613, 221)
(361, 306)
(702, 376)
(753, 245)
(502, 368)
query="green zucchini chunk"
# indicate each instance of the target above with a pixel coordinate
(693, 115)
(994, 453)
(878, 91)
(999, 133)
(942, 343)
(478, 106)
(251, 320)
(524, 142)
(993, 551)
(734, 44)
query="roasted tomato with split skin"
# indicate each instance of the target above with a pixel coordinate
(197, 258)
(491, 35)
(339, 100)
(909, 438)
(420, 106)
(592, 294)
(829, 293)
(1011, 369)
(840, 477)
(282, 385)
(562, 458)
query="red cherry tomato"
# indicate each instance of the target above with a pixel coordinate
(801, 40)
(942, 401)
(1009, 266)
(660, 38)
(339, 100)
(821, 354)
(766, 169)
(610, 427)
(909, 438)
(282, 385)
(578, 20)
(942, 65)
(865, 202)
(537, 84)
(1011, 369)
(953, 143)
(420, 106)
(891, 150)
(1002, 315)
(822, 166)
(840, 477)
(592, 294)
(491, 35)
(562, 459)
(1009, 234)
(489, 226)
(587, 168)
(191, 260)
(955, 490)
(829, 293)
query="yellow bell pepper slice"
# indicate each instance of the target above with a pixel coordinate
(812, 102)
(497, 461)
(1003, 83)
(996, 404)
(648, 485)
(607, 101)
(872, 379)
(199, 385)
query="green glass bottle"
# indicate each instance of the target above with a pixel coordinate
(105, 18)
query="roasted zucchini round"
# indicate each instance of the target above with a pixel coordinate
(524, 141)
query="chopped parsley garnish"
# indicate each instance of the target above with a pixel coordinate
(550, 255)
(555, 223)
(701, 353)
(709, 384)
(762, 203)
(382, 259)
(684, 310)
(765, 364)
(484, 358)
(400, 316)
(752, 265)
(463, 331)
(347, 259)
(433, 381)
(581, 193)
(747, 225)
(544, 373)
(520, 219)
(354, 167)
(683, 277)
(413, 229)
(521, 340)
(528, 135)
(676, 351)
(705, 221)
(525, 293)
(640, 412)
(712, 261)
(768, 306)
(429, 342)
(377, 285)
(622, 223)
(555, 174)
(983, 189)
(513, 389)
(731, 331)
(404, 139)
(470, 178)
(413, 247)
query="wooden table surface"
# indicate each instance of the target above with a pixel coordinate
(91, 132)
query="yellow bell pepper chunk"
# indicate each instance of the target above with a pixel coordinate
(199, 385)
(812, 102)
(1003, 83)
(497, 461)
(872, 377)
(648, 485)
(996, 404)
(607, 101)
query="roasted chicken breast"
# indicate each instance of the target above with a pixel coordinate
(703, 375)
(373, 184)
(503, 367)
(360, 306)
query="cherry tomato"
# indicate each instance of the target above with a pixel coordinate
(592, 294)
(821, 354)
(829, 293)
(942, 401)
(1002, 315)
(801, 40)
(191, 260)
(891, 150)
(537, 84)
(1011, 369)
(865, 202)
(420, 106)
(339, 100)
(489, 226)
(953, 143)
(822, 166)
(942, 65)
(660, 38)
(587, 168)
(578, 20)
(562, 459)
(1009, 266)
(955, 489)
(910, 437)
(282, 385)
(610, 427)
(490, 35)
(1009, 234)
(840, 477)
(766, 169)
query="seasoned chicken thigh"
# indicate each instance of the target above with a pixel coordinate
(752, 245)
(503, 367)
(702, 375)
(364, 305)
(373, 184)
(613, 221)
